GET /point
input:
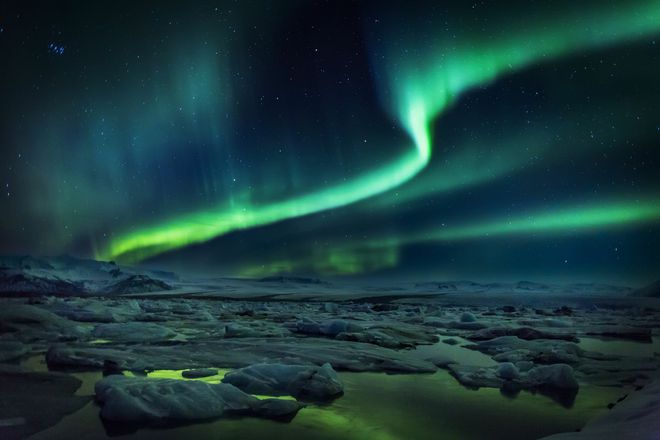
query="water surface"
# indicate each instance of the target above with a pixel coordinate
(380, 407)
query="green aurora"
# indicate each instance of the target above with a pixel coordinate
(426, 139)
(356, 258)
(422, 90)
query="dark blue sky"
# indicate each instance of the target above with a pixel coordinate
(485, 141)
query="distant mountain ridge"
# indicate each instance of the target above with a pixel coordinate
(465, 286)
(291, 279)
(69, 275)
(650, 291)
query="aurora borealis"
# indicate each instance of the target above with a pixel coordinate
(336, 138)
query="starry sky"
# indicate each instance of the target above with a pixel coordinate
(417, 140)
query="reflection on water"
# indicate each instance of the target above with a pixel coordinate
(385, 407)
(621, 348)
(100, 341)
(380, 407)
(176, 374)
(455, 353)
(35, 363)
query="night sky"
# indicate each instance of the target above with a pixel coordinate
(417, 140)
